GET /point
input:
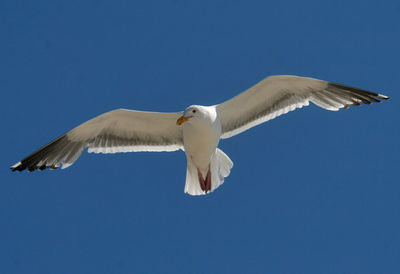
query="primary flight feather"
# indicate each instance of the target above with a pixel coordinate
(197, 130)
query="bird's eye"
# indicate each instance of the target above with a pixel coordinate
(194, 111)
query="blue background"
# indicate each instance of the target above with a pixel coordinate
(311, 192)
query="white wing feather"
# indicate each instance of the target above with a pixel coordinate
(116, 131)
(277, 95)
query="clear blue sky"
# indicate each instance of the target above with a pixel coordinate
(311, 192)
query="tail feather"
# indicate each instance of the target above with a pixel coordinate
(220, 167)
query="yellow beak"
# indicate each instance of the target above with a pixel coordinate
(182, 119)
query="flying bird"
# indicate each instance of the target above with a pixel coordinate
(197, 130)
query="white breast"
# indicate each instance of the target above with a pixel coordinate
(200, 140)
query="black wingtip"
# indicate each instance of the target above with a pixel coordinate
(384, 97)
(17, 167)
(364, 96)
(31, 163)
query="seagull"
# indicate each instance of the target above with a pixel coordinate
(198, 129)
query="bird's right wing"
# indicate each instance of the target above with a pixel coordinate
(277, 95)
(115, 131)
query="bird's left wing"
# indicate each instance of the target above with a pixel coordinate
(277, 95)
(115, 131)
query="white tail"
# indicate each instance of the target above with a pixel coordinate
(220, 166)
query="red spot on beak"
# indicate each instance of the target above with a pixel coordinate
(182, 119)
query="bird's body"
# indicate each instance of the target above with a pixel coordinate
(200, 141)
(197, 130)
(201, 137)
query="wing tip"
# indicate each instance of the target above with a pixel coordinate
(362, 96)
(20, 166)
(384, 97)
(39, 159)
(17, 167)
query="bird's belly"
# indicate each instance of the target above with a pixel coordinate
(200, 146)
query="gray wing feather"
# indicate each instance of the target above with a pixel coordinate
(277, 95)
(116, 131)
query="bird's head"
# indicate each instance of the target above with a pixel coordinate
(191, 112)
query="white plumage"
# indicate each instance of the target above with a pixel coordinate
(197, 130)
